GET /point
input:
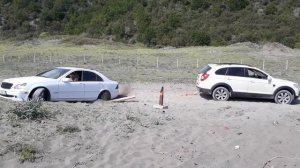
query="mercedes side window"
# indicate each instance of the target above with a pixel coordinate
(221, 71)
(75, 76)
(236, 71)
(90, 76)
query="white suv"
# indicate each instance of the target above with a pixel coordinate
(223, 81)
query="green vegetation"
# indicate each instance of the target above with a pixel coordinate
(27, 153)
(68, 129)
(32, 110)
(155, 22)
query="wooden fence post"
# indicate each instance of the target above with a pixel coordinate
(263, 64)
(156, 62)
(34, 58)
(177, 63)
(287, 65)
(197, 63)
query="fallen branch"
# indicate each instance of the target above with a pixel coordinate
(190, 94)
(123, 99)
(276, 157)
(270, 160)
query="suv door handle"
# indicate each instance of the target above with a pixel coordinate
(229, 79)
(252, 81)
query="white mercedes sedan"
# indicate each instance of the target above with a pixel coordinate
(61, 84)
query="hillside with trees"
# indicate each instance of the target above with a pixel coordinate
(155, 22)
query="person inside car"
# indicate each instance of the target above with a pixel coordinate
(74, 76)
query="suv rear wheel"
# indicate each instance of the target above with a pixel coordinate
(284, 97)
(220, 94)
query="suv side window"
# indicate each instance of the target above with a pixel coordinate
(90, 76)
(236, 71)
(252, 73)
(221, 71)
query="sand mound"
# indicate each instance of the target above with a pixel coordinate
(276, 49)
(247, 44)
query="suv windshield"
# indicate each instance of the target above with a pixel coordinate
(54, 73)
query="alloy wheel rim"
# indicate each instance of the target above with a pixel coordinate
(284, 98)
(221, 94)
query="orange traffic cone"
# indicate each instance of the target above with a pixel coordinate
(161, 100)
(161, 97)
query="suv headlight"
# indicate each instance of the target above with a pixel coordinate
(296, 86)
(20, 86)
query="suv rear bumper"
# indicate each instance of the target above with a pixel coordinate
(203, 90)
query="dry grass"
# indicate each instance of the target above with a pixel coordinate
(134, 62)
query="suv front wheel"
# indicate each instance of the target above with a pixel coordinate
(284, 97)
(220, 94)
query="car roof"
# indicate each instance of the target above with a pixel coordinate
(220, 65)
(75, 68)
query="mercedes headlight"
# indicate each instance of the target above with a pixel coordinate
(20, 86)
(297, 86)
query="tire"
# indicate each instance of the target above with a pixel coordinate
(284, 97)
(105, 96)
(220, 94)
(39, 94)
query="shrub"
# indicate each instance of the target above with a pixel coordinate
(271, 9)
(68, 129)
(44, 35)
(196, 4)
(32, 110)
(27, 153)
(235, 5)
(201, 39)
(289, 41)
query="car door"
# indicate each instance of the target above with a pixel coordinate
(93, 84)
(71, 90)
(235, 77)
(258, 82)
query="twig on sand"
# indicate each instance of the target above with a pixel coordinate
(270, 160)
(123, 99)
(190, 94)
(276, 157)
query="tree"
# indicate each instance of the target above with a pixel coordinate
(196, 4)
(271, 9)
(201, 38)
(236, 5)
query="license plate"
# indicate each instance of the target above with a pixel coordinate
(2, 92)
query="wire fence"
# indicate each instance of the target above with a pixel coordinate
(139, 67)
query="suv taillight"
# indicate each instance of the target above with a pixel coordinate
(204, 76)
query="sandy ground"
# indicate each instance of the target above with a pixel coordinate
(192, 132)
